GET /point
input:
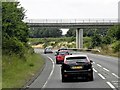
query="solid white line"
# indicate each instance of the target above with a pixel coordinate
(111, 85)
(115, 75)
(106, 69)
(95, 70)
(50, 73)
(99, 65)
(101, 76)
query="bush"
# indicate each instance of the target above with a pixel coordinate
(13, 45)
(116, 46)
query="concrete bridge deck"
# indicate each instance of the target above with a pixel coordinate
(74, 23)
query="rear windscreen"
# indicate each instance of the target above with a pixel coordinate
(77, 59)
(48, 49)
(63, 53)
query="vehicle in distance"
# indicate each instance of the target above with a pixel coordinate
(48, 50)
(60, 56)
(63, 48)
(77, 66)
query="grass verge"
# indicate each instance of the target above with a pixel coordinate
(16, 71)
(108, 53)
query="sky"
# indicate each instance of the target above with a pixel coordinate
(70, 9)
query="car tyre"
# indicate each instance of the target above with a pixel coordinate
(90, 78)
(56, 62)
(63, 78)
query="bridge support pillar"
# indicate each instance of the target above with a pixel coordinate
(79, 38)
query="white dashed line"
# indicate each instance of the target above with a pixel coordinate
(95, 70)
(101, 76)
(99, 65)
(115, 81)
(115, 75)
(111, 85)
(50, 73)
(106, 69)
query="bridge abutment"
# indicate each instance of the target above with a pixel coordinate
(79, 38)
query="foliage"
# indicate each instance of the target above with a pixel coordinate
(106, 40)
(87, 42)
(116, 46)
(14, 30)
(38, 32)
(71, 33)
(114, 32)
(86, 32)
(96, 40)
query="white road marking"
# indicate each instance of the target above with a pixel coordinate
(101, 76)
(115, 81)
(93, 62)
(99, 65)
(50, 73)
(115, 75)
(106, 69)
(95, 70)
(111, 85)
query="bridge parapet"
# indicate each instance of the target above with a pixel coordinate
(71, 20)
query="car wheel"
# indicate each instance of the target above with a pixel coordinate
(90, 78)
(63, 78)
(56, 61)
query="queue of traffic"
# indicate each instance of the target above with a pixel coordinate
(73, 66)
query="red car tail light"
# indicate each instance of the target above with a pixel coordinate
(59, 56)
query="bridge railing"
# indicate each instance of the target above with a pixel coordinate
(71, 20)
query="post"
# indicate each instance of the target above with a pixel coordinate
(79, 38)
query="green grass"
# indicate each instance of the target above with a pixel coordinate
(108, 53)
(16, 71)
(0, 70)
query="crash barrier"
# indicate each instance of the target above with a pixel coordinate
(82, 49)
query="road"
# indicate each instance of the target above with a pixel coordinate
(105, 73)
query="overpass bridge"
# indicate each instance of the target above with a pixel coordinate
(79, 24)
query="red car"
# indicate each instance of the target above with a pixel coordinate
(60, 56)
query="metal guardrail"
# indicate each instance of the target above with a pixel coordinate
(71, 20)
(83, 49)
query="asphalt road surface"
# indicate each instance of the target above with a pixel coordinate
(105, 73)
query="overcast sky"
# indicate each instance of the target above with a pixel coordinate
(70, 9)
(66, 9)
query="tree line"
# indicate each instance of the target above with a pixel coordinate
(38, 32)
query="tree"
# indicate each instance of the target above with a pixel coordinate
(106, 40)
(14, 30)
(114, 32)
(96, 40)
(71, 32)
(45, 32)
